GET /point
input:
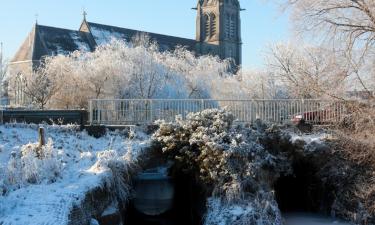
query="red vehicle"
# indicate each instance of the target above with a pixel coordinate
(327, 115)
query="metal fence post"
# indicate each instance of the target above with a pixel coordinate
(151, 109)
(91, 112)
(100, 106)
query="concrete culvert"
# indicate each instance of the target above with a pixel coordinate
(154, 192)
(161, 199)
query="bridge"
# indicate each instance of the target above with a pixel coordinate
(146, 111)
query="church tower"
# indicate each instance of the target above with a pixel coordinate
(219, 28)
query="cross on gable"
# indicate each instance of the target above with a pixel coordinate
(84, 14)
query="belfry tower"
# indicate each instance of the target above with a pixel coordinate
(219, 28)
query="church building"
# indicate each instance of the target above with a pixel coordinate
(218, 32)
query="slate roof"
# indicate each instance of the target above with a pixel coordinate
(44, 40)
(51, 41)
(63, 41)
(103, 34)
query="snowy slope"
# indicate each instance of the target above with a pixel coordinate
(75, 155)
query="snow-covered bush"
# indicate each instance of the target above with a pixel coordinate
(33, 165)
(119, 183)
(259, 211)
(233, 161)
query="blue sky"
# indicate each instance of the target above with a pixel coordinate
(262, 23)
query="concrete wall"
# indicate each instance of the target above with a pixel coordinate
(79, 117)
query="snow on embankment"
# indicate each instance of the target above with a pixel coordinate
(42, 186)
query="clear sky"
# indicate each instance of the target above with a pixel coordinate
(262, 23)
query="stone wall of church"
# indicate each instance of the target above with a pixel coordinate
(18, 72)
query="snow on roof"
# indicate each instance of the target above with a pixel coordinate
(103, 36)
(104, 33)
(63, 41)
(45, 40)
(50, 41)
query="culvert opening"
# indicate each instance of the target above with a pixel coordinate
(303, 191)
(186, 207)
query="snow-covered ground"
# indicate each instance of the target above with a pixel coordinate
(317, 137)
(43, 190)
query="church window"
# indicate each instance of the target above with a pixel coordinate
(232, 26)
(227, 26)
(20, 87)
(207, 26)
(213, 25)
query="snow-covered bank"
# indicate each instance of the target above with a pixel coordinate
(244, 174)
(37, 190)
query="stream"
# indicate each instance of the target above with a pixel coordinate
(311, 219)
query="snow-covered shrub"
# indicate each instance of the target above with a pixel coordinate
(258, 211)
(233, 161)
(121, 168)
(33, 165)
(229, 157)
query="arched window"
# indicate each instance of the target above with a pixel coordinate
(227, 26)
(233, 29)
(213, 24)
(19, 89)
(207, 26)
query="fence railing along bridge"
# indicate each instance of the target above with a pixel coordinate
(146, 111)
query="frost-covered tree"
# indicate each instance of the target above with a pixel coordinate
(138, 69)
(350, 23)
(307, 72)
(204, 76)
(258, 84)
(347, 26)
(73, 89)
(40, 87)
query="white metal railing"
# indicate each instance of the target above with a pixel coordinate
(146, 111)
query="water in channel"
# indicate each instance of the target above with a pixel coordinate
(311, 219)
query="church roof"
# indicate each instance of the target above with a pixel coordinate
(63, 41)
(104, 33)
(45, 40)
(50, 41)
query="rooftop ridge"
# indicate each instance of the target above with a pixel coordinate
(58, 28)
(141, 31)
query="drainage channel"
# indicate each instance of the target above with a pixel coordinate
(161, 199)
(311, 219)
